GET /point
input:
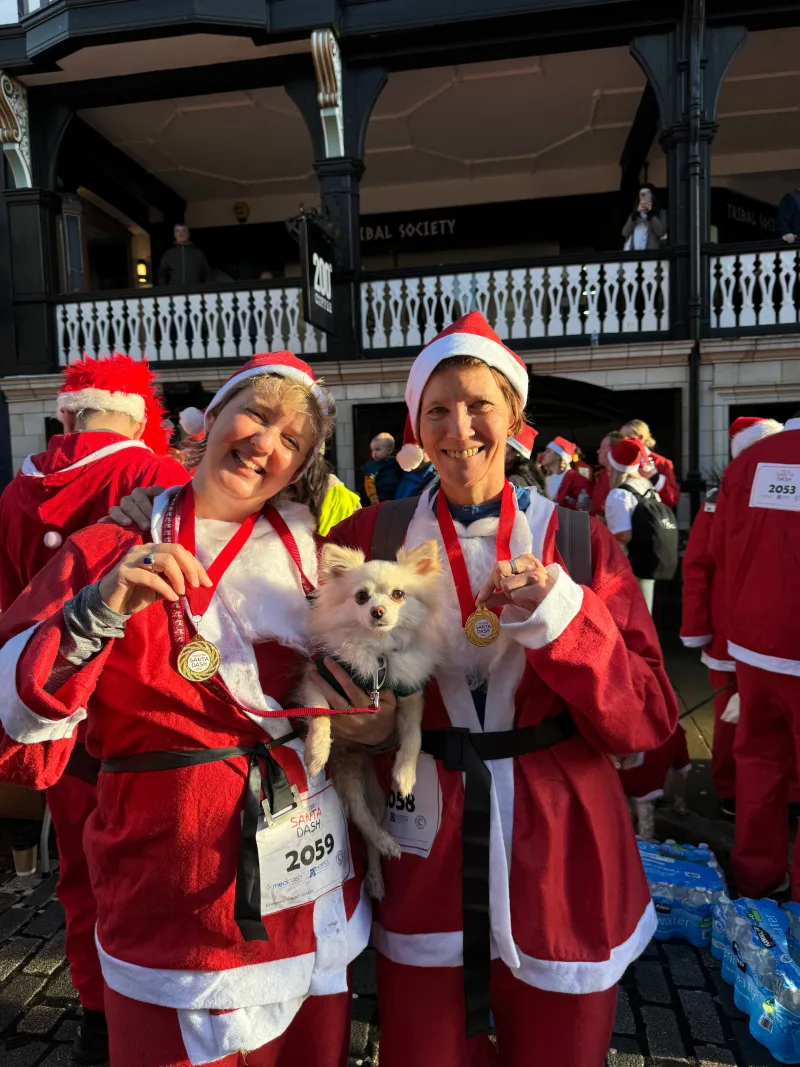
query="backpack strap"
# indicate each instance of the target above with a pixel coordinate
(574, 543)
(393, 520)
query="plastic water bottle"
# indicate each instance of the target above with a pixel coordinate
(584, 500)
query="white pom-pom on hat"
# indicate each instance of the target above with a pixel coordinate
(192, 420)
(410, 455)
(53, 539)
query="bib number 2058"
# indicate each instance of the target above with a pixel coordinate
(397, 802)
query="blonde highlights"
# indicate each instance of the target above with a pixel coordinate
(639, 428)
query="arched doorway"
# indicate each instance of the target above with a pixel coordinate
(584, 413)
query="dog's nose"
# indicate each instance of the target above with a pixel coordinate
(377, 612)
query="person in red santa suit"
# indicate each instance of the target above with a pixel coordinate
(703, 623)
(755, 544)
(565, 485)
(223, 936)
(660, 471)
(602, 482)
(519, 846)
(521, 469)
(113, 440)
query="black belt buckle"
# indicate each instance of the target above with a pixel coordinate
(455, 748)
(271, 818)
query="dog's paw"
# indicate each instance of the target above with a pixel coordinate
(387, 846)
(374, 883)
(315, 764)
(404, 780)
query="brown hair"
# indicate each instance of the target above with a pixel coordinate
(510, 395)
(641, 430)
(270, 388)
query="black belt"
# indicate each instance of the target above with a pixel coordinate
(279, 799)
(82, 765)
(461, 750)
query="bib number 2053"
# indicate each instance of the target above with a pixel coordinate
(776, 487)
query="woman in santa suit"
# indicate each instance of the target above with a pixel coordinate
(661, 471)
(565, 485)
(229, 899)
(519, 890)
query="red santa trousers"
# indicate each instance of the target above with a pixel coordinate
(422, 1021)
(767, 751)
(71, 801)
(148, 1035)
(723, 765)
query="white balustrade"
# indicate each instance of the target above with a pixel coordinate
(755, 289)
(166, 328)
(521, 303)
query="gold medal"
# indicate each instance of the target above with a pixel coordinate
(482, 627)
(198, 661)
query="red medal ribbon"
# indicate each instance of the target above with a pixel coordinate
(281, 528)
(458, 566)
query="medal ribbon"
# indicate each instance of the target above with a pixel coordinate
(458, 566)
(175, 610)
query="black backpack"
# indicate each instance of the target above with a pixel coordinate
(653, 547)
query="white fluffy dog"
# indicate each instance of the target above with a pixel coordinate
(382, 621)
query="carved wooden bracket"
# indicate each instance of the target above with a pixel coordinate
(328, 67)
(14, 129)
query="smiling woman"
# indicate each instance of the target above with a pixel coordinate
(215, 937)
(518, 808)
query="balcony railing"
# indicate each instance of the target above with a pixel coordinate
(755, 289)
(533, 302)
(168, 326)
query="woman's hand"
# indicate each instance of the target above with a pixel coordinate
(134, 584)
(526, 589)
(136, 508)
(366, 729)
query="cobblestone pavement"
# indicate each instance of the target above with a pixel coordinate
(674, 1009)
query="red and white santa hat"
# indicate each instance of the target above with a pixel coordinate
(746, 430)
(282, 364)
(564, 448)
(470, 336)
(628, 456)
(523, 441)
(116, 383)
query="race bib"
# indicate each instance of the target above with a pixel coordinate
(414, 821)
(711, 508)
(305, 854)
(776, 486)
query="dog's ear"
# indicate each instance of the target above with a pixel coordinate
(336, 560)
(424, 559)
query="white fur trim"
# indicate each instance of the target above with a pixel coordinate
(553, 483)
(756, 432)
(661, 481)
(557, 976)
(773, 664)
(732, 710)
(209, 1037)
(552, 616)
(410, 457)
(726, 665)
(282, 371)
(697, 642)
(130, 404)
(792, 424)
(568, 456)
(192, 420)
(631, 762)
(462, 344)
(30, 469)
(19, 722)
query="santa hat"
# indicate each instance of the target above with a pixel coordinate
(470, 336)
(523, 441)
(745, 431)
(563, 448)
(627, 456)
(116, 383)
(282, 364)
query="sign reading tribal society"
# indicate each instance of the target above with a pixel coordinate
(316, 264)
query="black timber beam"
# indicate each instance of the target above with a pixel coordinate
(88, 159)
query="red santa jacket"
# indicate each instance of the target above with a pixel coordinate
(568, 487)
(569, 904)
(703, 622)
(666, 484)
(71, 485)
(602, 487)
(755, 543)
(163, 846)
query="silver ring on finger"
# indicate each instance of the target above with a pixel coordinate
(514, 567)
(148, 560)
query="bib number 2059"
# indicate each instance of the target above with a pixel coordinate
(309, 853)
